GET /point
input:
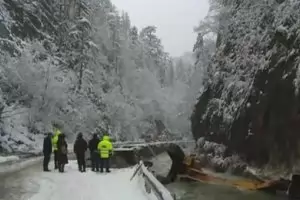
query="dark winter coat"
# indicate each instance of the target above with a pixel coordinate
(80, 146)
(93, 144)
(47, 145)
(62, 150)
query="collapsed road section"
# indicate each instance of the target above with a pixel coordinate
(193, 171)
(188, 168)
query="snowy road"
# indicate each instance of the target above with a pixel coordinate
(33, 184)
(13, 184)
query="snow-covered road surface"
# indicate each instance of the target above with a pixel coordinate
(87, 186)
(14, 178)
(33, 184)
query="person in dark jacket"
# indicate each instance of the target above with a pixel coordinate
(94, 154)
(62, 152)
(47, 150)
(80, 147)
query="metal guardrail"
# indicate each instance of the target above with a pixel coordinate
(154, 143)
(152, 184)
(137, 144)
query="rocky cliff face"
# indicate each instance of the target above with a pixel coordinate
(251, 103)
(26, 20)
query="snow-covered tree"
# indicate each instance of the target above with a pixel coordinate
(83, 49)
(157, 58)
(97, 72)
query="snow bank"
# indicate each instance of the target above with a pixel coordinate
(16, 136)
(9, 168)
(4, 159)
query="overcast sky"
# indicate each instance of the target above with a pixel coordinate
(175, 20)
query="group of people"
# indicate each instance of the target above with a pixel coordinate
(100, 151)
(56, 143)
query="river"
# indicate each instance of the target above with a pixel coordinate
(201, 191)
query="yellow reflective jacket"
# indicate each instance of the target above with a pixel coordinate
(105, 147)
(57, 132)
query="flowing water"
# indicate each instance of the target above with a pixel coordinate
(201, 191)
(204, 191)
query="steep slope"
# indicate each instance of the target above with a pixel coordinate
(82, 65)
(26, 20)
(251, 101)
(21, 22)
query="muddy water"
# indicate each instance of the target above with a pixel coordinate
(201, 191)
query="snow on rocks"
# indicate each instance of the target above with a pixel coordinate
(282, 29)
(210, 147)
(4, 15)
(212, 155)
(15, 134)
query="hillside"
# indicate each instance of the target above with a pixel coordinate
(83, 65)
(250, 102)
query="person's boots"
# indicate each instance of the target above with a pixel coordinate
(97, 167)
(107, 170)
(60, 168)
(92, 165)
(79, 168)
(83, 168)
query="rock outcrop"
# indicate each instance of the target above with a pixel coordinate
(213, 155)
(251, 103)
(26, 20)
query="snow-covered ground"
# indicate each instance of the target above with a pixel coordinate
(16, 136)
(87, 186)
(4, 159)
(8, 167)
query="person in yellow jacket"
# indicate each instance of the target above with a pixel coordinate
(105, 148)
(57, 132)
